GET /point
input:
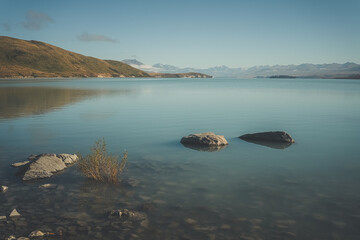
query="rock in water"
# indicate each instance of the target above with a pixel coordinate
(44, 165)
(48, 186)
(128, 215)
(4, 189)
(20, 164)
(36, 233)
(204, 139)
(276, 136)
(14, 213)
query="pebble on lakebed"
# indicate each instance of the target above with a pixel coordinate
(48, 186)
(14, 213)
(4, 189)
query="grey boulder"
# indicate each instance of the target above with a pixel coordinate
(204, 139)
(45, 165)
(275, 136)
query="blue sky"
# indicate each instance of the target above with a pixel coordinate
(193, 33)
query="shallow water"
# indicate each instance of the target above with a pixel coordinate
(309, 190)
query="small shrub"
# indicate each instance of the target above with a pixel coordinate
(100, 166)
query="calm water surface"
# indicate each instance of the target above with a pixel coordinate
(309, 190)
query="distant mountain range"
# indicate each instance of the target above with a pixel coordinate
(32, 59)
(333, 70)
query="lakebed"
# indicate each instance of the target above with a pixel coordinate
(308, 190)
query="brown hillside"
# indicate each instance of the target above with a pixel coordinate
(20, 58)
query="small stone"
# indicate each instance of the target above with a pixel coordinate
(225, 226)
(190, 221)
(60, 231)
(3, 218)
(36, 233)
(11, 237)
(23, 238)
(14, 213)
(4, 188)
(20, 164)
(48, 185)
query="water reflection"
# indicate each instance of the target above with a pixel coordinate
(205, 148)
(25, 101)
(275, 145)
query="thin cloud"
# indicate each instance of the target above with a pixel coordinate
(36, 20)
(6, 26)
(87, 37)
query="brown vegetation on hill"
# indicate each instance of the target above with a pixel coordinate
(20, 58)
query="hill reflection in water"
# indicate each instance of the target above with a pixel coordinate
(26, 101)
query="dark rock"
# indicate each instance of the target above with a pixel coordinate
(276, 136)
(127, 215)
(204, 139)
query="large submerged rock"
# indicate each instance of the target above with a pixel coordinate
(45, 165)
(207, 139)
(276, 136)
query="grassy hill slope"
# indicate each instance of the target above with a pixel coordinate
(20, 58)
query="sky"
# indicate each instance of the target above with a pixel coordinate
(193, 33)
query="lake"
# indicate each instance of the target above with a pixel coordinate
(309, 190)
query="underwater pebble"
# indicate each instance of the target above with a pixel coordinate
(14, 213)
(36, 233)
(4, 189)
(48, 185)
(190, 221)
(225, 226)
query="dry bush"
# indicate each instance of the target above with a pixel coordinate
(100, 166)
